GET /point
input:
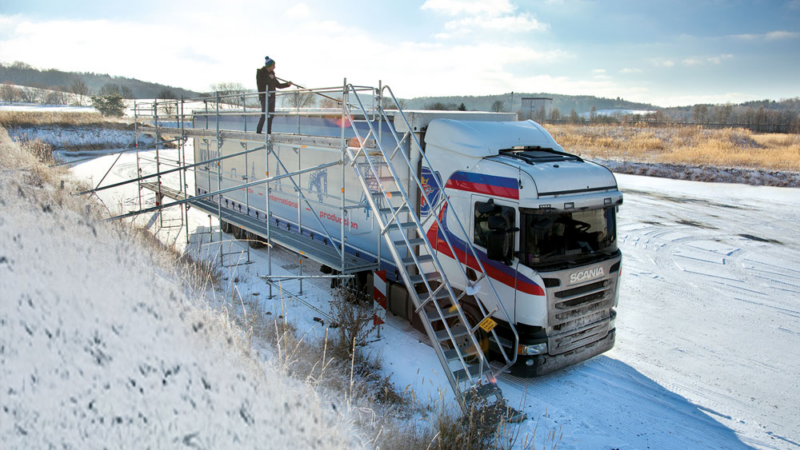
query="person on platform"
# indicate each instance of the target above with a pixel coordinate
(268, 83)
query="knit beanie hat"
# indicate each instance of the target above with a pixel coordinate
(269, 62)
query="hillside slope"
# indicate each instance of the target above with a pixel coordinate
(102, 346)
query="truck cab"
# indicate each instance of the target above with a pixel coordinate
(544, 224)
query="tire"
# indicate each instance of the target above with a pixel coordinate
(255, 241)
(239, 233)
(226, 227)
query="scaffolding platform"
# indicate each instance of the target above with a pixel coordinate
(320, 252)
(298, 140)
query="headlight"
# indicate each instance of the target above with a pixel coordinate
(530, 350)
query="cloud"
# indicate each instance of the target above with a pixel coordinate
(660, 62)
(491, 8)
(699, 61)
(776, 35)
(794, 4)
(598, 71)
(630, 70)
(719, 59)
(771, 36)
(297, 11)
(492, 15)
(521, 23)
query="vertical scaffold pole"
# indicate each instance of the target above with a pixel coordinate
(185, 179)
(159, 196)
(380, 139)
(267, 150)
(343, 156)
(136, 145)
(246, 190)
(219, 184)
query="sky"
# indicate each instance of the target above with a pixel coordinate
(667, 53)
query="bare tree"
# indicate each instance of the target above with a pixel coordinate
(81, 91)
(230, 93)
(593, 114)
(29, 94)
(330, 103)
(497, 106)
(56, 96)
(125, 92)
(169, 106)
(299, 99)
(540, 115)
(9, 92)
(555, 115)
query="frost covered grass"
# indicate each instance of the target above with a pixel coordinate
(682, 145)
(102, 344)
(9, 119)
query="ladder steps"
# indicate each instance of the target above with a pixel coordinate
(447, 312)
(461, 374)
(389, 194)
(432, 276)
(457, 332)
(465, 351)
(389, 210)
(401, 226)
(413, 242)
(421, 258)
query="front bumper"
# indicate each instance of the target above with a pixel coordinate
(544, 364)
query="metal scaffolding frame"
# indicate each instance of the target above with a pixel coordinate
(370, 159)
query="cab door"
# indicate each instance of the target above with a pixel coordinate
(502, 269)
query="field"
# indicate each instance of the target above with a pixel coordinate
(681, 145)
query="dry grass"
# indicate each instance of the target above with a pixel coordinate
(10, 119)
(682, 145)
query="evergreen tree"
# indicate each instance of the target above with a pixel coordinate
(109, 105)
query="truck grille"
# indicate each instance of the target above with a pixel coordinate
(579, 315)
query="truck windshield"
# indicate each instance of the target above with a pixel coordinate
(551, 237)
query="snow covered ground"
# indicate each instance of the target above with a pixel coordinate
(102, 345)
(708, 324)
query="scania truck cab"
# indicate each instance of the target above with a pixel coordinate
(545, 223)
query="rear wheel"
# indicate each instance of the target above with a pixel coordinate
(239, 233)
(226, 227)
(255, 241)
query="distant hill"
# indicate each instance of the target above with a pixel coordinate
(564, 103)
(22, 74)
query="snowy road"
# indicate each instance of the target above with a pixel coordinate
(707, 331)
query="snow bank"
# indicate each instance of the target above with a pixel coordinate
(61, 138)
(101, 348)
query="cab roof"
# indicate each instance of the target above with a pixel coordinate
(478, 139)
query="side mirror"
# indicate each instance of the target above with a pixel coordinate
(486, 208)
(497, 223)
(495, 246)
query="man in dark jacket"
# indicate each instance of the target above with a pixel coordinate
(266, 81)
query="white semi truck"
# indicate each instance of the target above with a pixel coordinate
(538, 222)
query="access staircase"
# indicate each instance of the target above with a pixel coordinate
(459, 344)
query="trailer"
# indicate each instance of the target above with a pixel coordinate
(481, 230)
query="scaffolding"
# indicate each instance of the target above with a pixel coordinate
(385, 163)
